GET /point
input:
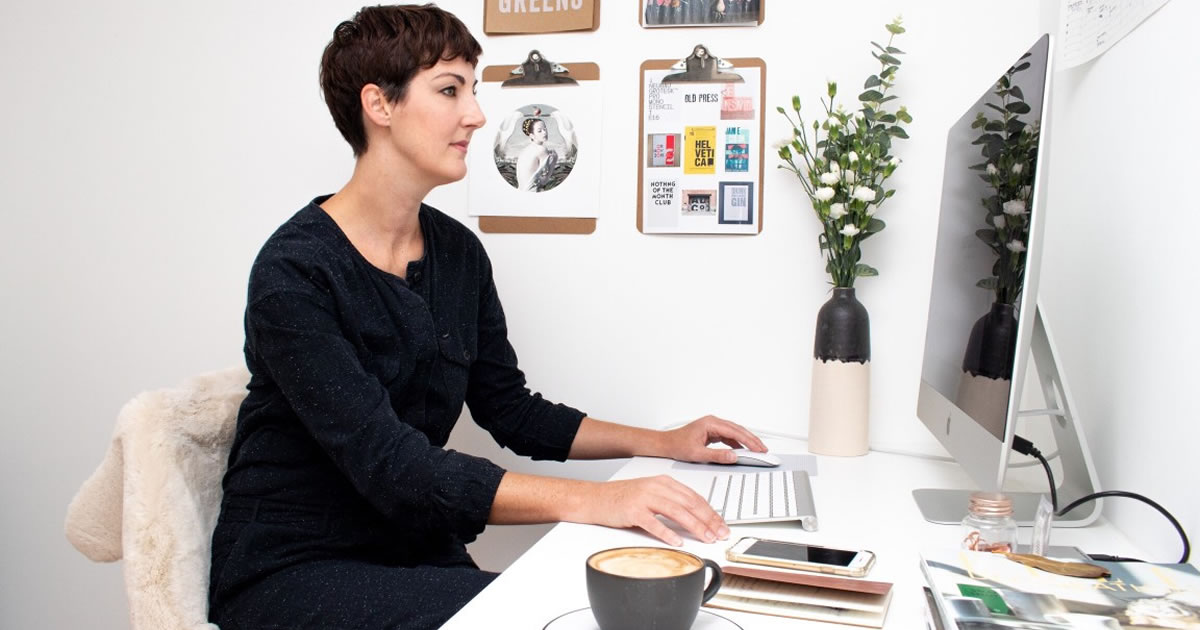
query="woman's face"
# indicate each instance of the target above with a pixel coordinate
(432, 125)
(538, 133)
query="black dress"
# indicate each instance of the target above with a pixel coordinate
(342, 509)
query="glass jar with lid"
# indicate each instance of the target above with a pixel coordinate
(989, 525)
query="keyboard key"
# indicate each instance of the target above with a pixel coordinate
(779, 496)
(718, 493)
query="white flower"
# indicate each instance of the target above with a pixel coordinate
(853, 157)
(999, 221)
(850, 176)
(824, 193)
(992, 170)
(863, 193)
(1025, 190)
(849, 230)
(1015, 246)
(1016, 207)
(834, 167)
(837, 211)
(829, 179)
(1017, 168)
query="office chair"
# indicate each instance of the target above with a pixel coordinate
(155, 497)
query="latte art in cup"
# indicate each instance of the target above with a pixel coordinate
(645, 562)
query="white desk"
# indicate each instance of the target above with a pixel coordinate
(862, 502)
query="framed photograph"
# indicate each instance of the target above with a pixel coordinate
(737, 203)
(665, 13)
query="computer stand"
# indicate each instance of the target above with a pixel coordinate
(939, 505)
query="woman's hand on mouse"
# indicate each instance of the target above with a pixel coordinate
(690, 443)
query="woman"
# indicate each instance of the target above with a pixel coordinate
(535, 163)
(370, 319)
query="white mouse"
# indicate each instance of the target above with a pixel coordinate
(747, 457)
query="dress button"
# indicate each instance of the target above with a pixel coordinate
(467, 354)
(445, 335)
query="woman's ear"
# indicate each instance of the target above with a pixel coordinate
(375, 106)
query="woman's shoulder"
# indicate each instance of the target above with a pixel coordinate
(307, 246)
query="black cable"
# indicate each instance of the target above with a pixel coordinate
(1187, 547)
(1025, 447)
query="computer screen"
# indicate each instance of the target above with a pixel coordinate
(983, 310)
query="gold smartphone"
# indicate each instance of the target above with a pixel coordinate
(790, 555)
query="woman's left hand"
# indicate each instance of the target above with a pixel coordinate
(689, 443)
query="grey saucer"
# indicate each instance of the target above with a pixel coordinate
(582, 619)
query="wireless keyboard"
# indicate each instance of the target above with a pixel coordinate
(765, 497)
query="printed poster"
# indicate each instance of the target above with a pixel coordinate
(538, 155)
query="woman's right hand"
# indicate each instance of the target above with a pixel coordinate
(639, 502)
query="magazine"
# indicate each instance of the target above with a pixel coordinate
(983, 591)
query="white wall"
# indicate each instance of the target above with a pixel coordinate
(149, 148)
(1118, 281)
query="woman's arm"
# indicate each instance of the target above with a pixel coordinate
(524, 499)
(597, 439)
(633, 502)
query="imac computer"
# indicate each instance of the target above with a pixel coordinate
(985, 323)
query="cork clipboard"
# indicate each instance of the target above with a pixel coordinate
(739, 64)
(580, 71)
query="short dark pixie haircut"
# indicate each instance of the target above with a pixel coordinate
(387, 46)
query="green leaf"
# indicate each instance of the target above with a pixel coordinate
(996, 107)
(898, 131)
(987, 283)
(872, 81)
(871, 96)
(864, 271)
(780, 110)
(894, 50)
(1019, 107)
(888, 59)
(895, 29)
(887, 118)
(1016, 91)
(903, 114)
(986, 235)
(1021, 67)
(994, 125)
(874, 225)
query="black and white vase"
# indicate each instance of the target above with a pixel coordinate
(839, 411)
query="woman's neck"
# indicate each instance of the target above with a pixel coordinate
(379, 213)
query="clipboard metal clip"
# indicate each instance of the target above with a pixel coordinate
(703, 66)
(537, 70)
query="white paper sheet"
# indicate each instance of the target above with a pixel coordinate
(1087, 28)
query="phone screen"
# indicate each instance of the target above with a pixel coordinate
(801, 553)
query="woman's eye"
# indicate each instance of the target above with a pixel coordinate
(449, 91)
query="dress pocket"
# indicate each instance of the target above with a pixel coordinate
(385, 356)
(456, 365)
